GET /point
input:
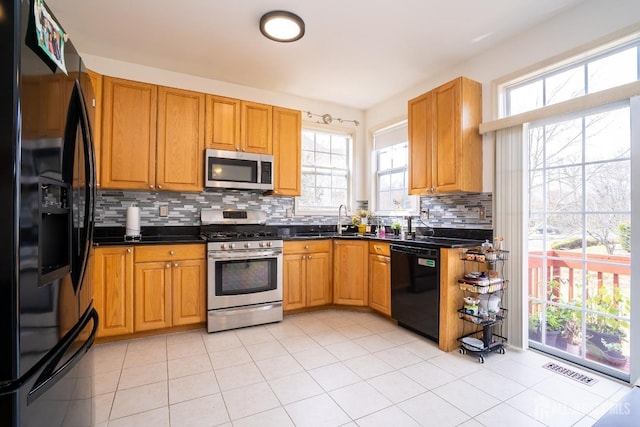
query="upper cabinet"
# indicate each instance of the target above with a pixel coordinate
(222, 123)
(180, 140)
(152, 137)
(287, 146)
(236, 125)
(445, 147)
(128, 134)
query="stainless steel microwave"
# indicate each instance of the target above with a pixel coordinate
(235, 169)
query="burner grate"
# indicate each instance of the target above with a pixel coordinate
(570, 373)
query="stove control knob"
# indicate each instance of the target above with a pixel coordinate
(261, 244)
(223, 246)
(232, 245)
(247, 245)
(268, 244)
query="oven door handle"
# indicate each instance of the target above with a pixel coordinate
(244, 255)
(244, 310)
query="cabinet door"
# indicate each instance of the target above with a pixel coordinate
(113, 287)
(152, 294)
(287, 140)
(128, 135)
(222, 123)
(420, 144)
(446, 130)
(188, 292)
(457, 146)
(293, 282)
(350, 259)
(180, 139)
(256, 128)
(380, 283)
(318, 279)
(94, 105)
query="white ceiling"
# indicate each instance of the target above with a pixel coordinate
(355, 53)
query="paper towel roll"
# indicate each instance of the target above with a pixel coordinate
(133, 221)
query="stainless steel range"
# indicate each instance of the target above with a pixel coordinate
(244, 261)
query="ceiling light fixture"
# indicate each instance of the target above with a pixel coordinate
(282, 26)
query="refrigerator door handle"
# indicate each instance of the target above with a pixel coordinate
(77, 115)
(50, 375)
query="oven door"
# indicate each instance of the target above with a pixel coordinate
(243, 278)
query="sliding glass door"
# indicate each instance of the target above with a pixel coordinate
(579, 238)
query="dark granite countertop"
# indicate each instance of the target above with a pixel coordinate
(113, 236)
(441, 238)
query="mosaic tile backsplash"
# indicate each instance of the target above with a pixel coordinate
(452, 211)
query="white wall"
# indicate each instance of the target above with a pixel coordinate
(571, 30)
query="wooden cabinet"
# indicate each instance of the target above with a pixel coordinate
(222, 123)
(180, 140)
(128, 135)
(113, 287)
(380, 277)
(235, 125)
(451, 269)
(256, 128)
(287, 147)
(93, 98)
(445, 146)
(350, 272)
(152, 137)
(306, 273)
(170, 286)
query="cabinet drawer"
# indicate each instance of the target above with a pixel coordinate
(169, 252)
(379, 248)
(306, 246)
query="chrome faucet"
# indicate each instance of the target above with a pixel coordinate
(340, 217)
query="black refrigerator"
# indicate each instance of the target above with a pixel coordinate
(47, 195)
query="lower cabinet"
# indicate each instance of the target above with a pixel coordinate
(380, 277)
(306, 273)
(113, 289)
(149, 287)
(350, 272)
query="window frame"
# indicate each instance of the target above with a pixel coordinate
(414, 200)
(302, 210)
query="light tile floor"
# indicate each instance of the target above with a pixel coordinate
(332, 368)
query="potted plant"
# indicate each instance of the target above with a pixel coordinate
(396, 227)
(554, 320)
(534, 327)
(601, 328)
(613, 353)
(572, 334)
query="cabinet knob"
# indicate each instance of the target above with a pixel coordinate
(244, 149)
(97, 185)
(150, 185)
(175, 264)
(309, 257)
(171, 253)
(129, 250)
(304, 256)
(306, 247)
(167, 266)
(237, 148)
(159, 186)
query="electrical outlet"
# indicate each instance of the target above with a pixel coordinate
(164, 210)
(482, 212)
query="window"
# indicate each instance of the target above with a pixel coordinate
(326, 171)
(392, 174)
(604, 70)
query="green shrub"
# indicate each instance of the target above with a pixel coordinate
(624, 230)
(573, 243)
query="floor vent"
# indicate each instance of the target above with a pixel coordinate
(570, 373)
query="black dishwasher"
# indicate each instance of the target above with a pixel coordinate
(415, 288)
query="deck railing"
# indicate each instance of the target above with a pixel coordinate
(562, 266)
